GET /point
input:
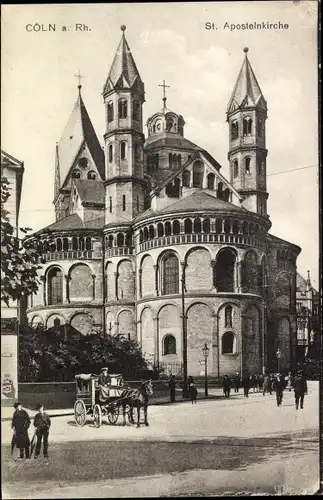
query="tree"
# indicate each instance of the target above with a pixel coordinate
(58, 354)
(19, 260)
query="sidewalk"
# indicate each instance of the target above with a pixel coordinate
(214, 393)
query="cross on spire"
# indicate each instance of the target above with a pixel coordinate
(164, 92)
(79, 76)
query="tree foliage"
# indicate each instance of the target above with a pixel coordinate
(58, 354)
(19, 261)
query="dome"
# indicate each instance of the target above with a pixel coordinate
(165, 121)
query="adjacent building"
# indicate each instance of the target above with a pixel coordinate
(12, 169)
(153, 242)
(308, 326)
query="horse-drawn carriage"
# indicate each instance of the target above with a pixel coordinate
(89, 400)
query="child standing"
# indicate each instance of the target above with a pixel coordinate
(193, 393)
(42, 424)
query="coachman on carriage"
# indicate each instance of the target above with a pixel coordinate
(99, 398)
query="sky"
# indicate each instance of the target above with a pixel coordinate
(169, 42)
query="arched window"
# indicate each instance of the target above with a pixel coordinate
(169, 345)
(110, 241)
(206, 225)
(219, 191)
(141, 236)
(228, 339)
(188, 226)
(198, 172)
(186, 178)
(88, 243)
(110, 111)
(91, 175)
(247, 165)
(226, 194)
(228, 317)
(179, 160)
(129, 242)
(176, 227)
(59, 245)
(247, 126)
(197, 225)
(168, 229)
(235, 227)
(110, 153)
(123, 108)
(74, 243)
(234, 130)
(227, 227)
(123, 150)
(225, 271)
(76, 174)
(136, 111)
(57, 323)
(65, 244)
(170, 160)
(120, 240)
(160, 229)
(170, 268)
(145, 234)
(235, 168)
(151, 232)
(55, 286)
(210, 181)
(81, 243)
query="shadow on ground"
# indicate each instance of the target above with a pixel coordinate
(97, 460)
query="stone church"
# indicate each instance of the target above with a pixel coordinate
(153, 242)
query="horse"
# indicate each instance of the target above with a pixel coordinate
(137, 398)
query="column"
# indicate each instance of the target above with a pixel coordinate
(140, 283)
(215, 347)
(43, 279)
(116, 274)
(181, 223)
(156, 332)
(238, 277)
(66, 290)
(222, 226)
(156, 280)
(93, 286)
(212, 225)
(213, 266)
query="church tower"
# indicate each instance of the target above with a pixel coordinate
(246, 115)
(124, 96)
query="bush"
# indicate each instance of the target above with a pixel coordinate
(58, 354)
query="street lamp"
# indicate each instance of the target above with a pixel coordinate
(278, 355)
(205, 351)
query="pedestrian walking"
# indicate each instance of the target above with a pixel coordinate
(42, 425)
(193, 393)
(288, 380)
(172, 386)
(267, 385)
(246, 385)
(300, 389)
(226, 385)
(236, 382)
(20, 424)
(278, 388)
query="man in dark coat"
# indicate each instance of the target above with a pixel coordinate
(267, 385)
(236, 382)
(193, 393)
(42, 424)
(246, 382)
(172, 386)
(300, 389)
(278, 388)
(226, 385)
(20, 424)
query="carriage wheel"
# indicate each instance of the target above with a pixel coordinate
(113, 413)
(79, 412)
(97, 415)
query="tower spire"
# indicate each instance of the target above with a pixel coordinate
(79, 76)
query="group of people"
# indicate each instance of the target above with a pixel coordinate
(20, 424)
(268, 383)
(189, 390)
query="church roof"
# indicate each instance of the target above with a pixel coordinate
(170, 140)
(246, 91)
(196, 202)
(123, 71)
(79, 130)
(276, 240)
(73, 222)
(90, 191)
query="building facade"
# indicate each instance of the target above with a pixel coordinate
(153, 242)
(308, 324)
(12, 169)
